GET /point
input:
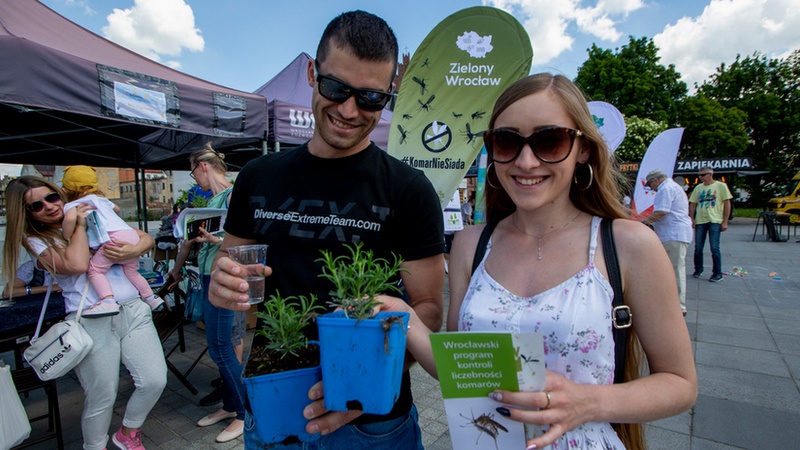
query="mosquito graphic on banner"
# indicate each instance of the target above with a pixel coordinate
(449, 89)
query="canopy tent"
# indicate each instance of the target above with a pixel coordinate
(290, 119)
(69, 96)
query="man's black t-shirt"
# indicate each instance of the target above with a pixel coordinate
(299, 204)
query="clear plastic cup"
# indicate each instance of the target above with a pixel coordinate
(246, 255)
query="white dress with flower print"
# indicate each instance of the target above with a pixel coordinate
(575, 320)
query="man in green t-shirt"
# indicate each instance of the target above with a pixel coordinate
(709, 209)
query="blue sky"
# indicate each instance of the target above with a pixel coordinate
(242, 44)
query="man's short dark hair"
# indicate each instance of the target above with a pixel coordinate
(366, 35)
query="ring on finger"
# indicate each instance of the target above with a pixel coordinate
(549, 398)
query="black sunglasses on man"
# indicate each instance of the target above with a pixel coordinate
(338, 91)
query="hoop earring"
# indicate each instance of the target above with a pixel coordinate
(488, 180)
(575, 177)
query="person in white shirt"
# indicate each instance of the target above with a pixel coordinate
(671, 222)
(29, 280)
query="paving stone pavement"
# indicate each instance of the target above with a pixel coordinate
(744, 333)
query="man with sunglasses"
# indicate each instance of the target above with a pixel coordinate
(339, 188)
(709, 209)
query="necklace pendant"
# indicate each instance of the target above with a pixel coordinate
(540, 236)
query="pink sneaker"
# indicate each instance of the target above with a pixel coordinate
(154, 303)
(132, 442)
(101, 309)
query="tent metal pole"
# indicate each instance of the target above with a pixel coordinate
(136, 168)
(144, 202)
(138, 190)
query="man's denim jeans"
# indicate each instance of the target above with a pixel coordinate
(713, 230)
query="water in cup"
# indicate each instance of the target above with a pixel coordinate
(255, 289)
(251, 254)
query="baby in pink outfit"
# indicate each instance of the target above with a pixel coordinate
(80, 185)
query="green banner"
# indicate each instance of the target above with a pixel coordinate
(449, 89)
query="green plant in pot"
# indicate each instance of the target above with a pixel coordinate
(283, 370)
(362, 352)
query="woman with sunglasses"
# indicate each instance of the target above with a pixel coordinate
(550, 182)
(35, 212)
(225, 329)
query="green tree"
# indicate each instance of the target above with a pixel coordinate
(768, 92)
(632, 79)
(183, 198)
(197, 202)
(710, 130)
(639, 133)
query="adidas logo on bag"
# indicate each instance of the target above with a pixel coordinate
(52, 362)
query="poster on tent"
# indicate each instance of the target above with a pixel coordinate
(609, 122)
(661, 154)
(449, 89)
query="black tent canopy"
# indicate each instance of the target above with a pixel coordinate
(68, 96)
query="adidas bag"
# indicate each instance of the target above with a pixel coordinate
(60, 349)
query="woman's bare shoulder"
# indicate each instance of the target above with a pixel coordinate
(633, 237)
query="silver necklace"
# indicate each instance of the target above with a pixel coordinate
(540, 236)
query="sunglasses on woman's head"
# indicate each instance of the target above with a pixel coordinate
(550, 144)
(38, 205)
(338, 91)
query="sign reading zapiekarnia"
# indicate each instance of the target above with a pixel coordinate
(718, 164)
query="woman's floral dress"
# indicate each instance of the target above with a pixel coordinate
(575, 320)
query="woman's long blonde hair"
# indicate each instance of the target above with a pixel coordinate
(601, 198)
(20, 226)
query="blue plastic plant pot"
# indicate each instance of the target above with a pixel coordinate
(277, 401)
(362, 361)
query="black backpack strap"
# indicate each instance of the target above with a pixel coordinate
(480, 250)
(621, 313)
